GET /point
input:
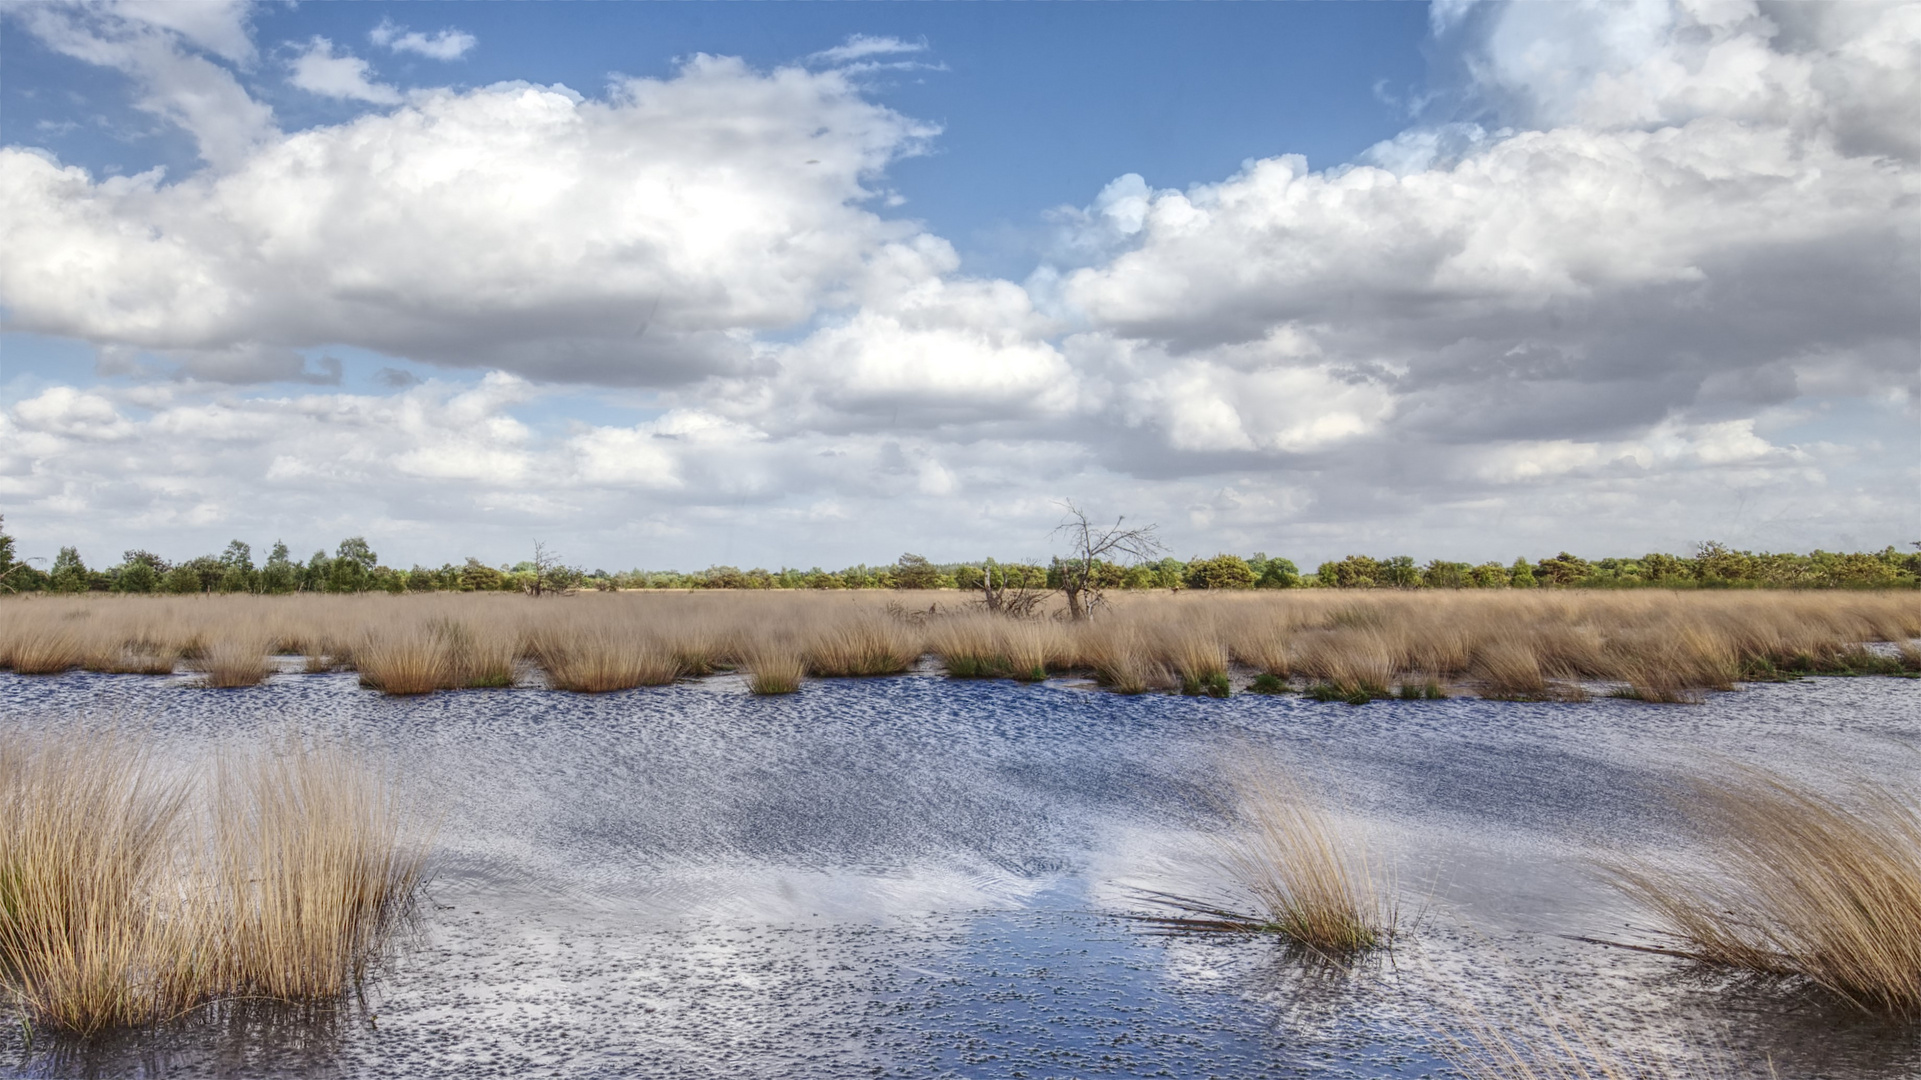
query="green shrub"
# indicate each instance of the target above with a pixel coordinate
(1219, 572)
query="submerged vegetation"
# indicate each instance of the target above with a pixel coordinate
(1800, 884)
(1330, 646)
(129, 894)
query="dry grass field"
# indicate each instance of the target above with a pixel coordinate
(1345, 645)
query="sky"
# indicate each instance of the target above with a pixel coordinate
(666, 285)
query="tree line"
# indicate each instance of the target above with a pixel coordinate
(354, 567)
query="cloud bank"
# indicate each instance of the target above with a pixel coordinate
(1657, 282)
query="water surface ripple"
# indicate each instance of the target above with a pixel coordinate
(917, 877)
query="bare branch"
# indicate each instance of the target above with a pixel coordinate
(1091, 545)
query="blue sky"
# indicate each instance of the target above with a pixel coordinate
(1038, 105)
(674, 284)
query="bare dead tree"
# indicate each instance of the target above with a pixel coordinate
(549, 575)
(1015, 591)
(1089, 546)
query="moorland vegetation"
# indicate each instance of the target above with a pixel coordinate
(1335, 645)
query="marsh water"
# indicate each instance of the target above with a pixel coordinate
(919, 877)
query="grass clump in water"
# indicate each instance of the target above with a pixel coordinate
(128, 896)
(231, 662)
(773, 668)
(1798, 884)
(1311, 879)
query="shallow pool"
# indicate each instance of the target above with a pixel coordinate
(922, 877)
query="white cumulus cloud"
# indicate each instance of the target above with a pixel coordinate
(448, 44)
(320, 68)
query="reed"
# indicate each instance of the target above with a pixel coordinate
(1121, 659)
(127, 896)
(604, 659)
(236, 661)
(1312, 880)
(969, 647)
(863, 647)
(91, 936)
(1198, 658)
(1315, 884)
(1797, 883)
(1351, 646)
(484, 656)
(313, 869)
(1355, 665)
(1510, 669)
(47, 650)
(774, 668)
(410, 660)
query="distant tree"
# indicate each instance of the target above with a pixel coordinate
(1521, 575)
(1399, 572)
(1089, 544)
(237, 574)
(915, 572)
(182, 579)
(1440, 574)
(1219, 572)
(69, 574)
(352, 567)
(1013, 589)
(477, 576)
(12, 571)
(1277, 574)
(1353, 572)
(1717, 564)
(280, 574)
(136, 577)
(547, 574)
(238, 553)
(140, 571)
(315, 575)
(1489, 575)
(1563, 570)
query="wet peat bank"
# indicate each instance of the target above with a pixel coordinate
(924, 877)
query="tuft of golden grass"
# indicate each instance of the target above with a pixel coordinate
(125, 900)
(1122, 660)
(1509, 667)
(46, 650)
(863, 646)
(1198, 659)
(774, 667)
(1315, 883)
(312, 870)
(234, 661)
(1349, 664)
(1797, 883)
(90, 934)
(1311, 878)
(598, 660)
(407, 660)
